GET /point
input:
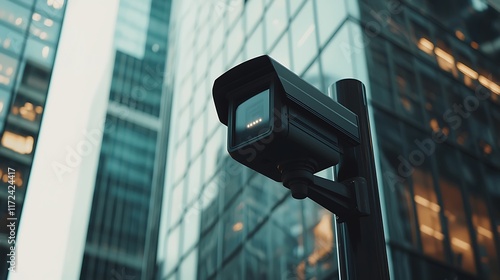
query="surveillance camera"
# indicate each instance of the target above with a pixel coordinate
(274, 118)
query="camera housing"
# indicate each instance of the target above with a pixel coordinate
(275, 118)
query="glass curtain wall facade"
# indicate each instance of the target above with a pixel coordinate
(221, 220)
(433, 90)
(29, 35)
(123, 227)
(435, 80)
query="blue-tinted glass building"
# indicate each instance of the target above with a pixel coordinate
(123, 228)
(433, 88)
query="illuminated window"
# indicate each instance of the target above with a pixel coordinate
(428, 211)
(26, 109)
(14, 15)
(447, 62)
(56, 4)
(18, 143)
(461, 247)
(484, 234)
(426, 46)
(323, 239)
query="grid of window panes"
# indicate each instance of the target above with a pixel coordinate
(437, 108)
(224, 221)
(121, 237)
(29, 34)
(118, 221)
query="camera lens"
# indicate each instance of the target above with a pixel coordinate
(252, 118)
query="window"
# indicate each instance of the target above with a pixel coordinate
(51, 8)
(303, 32)
(10, 40)
(208, 252)
(40, 52)
(27, 109)
(329, 15)
(281, 51)
(320, 256)
(8, 67)
(19, 142)
(276, 21)
(492, 183)
(428, 211)
(234, 227)
(181, 153)
(176, 204)
(253, 11)
(172, 249)
(194, 180)
(255, 43)
(338, 52)
(14, 15)
(233, 269)
(4, 106)
(381, 89)
(313, 76)
(396, 179)
(187, 269)
(21, 175)
(453, 209)
(406, 85)
(191, 224)
(44, 28)
(235, 40)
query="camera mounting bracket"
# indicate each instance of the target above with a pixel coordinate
(347, 199)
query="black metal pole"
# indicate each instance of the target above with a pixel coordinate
(361, 240)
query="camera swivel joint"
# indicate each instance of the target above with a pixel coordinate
(347, 199)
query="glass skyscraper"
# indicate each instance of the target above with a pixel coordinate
(123, 228)
(29, 36)
(433, 86)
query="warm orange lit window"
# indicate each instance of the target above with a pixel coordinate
(4, 80)
(461, 247)
(428, 214)
(484, 234)
(323, 244)
(4, 177)
(27, 111)
(426, 46)
(447, 62)
(489, 84)
(238, 226)
(18, 143)
(323, 239)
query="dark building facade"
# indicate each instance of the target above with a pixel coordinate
(123, 227)
(431, 71)
(29, 36)
(435, 92)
